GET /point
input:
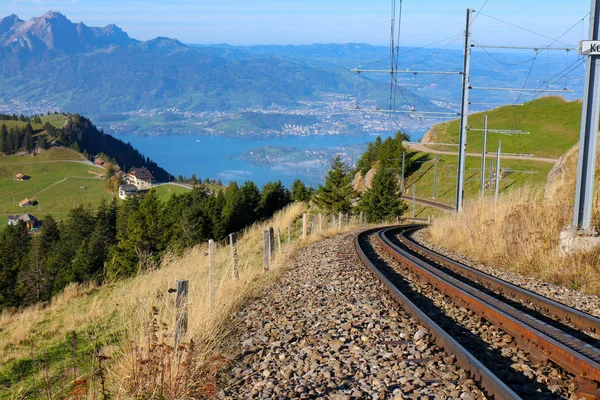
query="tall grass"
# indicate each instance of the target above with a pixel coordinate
(521, 233)
(132, 322)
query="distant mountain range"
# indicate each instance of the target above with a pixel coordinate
(103, 70)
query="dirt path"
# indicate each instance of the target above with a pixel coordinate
(424, 149)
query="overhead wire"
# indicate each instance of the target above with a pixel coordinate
(526, 30)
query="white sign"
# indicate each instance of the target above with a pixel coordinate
(589, 47)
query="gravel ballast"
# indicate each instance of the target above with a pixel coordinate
(328, 329)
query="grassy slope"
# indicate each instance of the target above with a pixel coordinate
(446, 184)
(57, 120)
(554, 127)
(56, 178)
(164, 192)
(553, 124)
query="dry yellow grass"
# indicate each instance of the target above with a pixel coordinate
(520, 234)
(135, 318)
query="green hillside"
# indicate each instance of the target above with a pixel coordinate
(58, 178)
(535, 173)
(552, 122)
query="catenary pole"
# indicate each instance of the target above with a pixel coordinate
(403, 165)
(435, 168)
(464, 115)
(589, 131)
(498, 171)
(483, 153)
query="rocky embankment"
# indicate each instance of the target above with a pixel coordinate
(327, 329)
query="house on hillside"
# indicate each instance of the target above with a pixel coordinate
(30, 220)
(26, 203)
(21, 177)
(141, 178)
(127, 191)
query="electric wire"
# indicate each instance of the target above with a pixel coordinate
(527, 30)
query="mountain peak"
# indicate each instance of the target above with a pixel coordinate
(55, 32)
(52, 15)
(7, 23)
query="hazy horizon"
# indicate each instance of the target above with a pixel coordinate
(297, 22)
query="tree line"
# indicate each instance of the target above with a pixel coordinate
(120, 240)
(16, 139)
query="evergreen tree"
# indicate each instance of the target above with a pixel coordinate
(36, 281)
(14, 247)
(233, 218)
(382, 200)
(143, 242)
(250, 201)
(273, 198)
(42, 143)
(366, 161)
(337, 195)
(3, 139)
(299, 191)
(215, 210)
(75, 231)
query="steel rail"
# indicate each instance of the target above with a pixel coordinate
(577, 357)
(491, 384)
(579, 319)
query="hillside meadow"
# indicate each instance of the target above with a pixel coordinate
(59, 181)
(552, 122)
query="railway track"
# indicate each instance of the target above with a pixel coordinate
(429, 203)
(545, 329)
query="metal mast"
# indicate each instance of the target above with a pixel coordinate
(589, 128)
(464, 117)
(483, 153)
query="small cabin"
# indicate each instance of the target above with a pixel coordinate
(21, 177)
(26, 203)
(30, 220)
(127, 191)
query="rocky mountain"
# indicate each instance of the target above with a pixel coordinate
(102, 70)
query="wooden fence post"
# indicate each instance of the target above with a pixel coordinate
(181, 312)
(289, 232)
(235, 275)
(313, 222)
(320, 223)
(211, 272)
(272, 243)
(340, 222)
(304, 226)
(267, 250)
(278, 241)
(360, 218)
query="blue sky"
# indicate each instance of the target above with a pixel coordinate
(309, 21)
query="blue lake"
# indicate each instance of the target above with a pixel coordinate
(218, 157)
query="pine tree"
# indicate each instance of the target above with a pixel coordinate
(3, 139)
(42, 143)
(143, 241)
(299, 191)
(382, 200)
(250, 201)
(233, 218)
(273, 198)
(14, 247)
(337, 195)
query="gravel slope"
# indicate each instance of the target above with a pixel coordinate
(329, 330)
